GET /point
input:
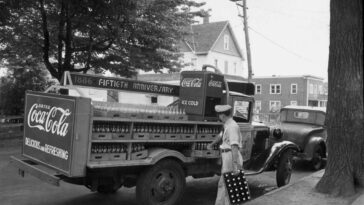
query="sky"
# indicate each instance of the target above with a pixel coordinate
(287, 37)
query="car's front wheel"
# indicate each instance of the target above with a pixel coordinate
(284, 168)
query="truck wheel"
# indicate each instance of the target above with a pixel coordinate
(284, 169)
(161, 184)
(317, 161)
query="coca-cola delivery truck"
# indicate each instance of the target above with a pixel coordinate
(104, 144)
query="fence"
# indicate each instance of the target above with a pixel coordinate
(11, 127)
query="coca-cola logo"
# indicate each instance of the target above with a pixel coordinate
(49, 119)
(214, 83)
(191, 82)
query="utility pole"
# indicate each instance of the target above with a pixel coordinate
(246, 32)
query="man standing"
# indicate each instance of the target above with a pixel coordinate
(232, 160)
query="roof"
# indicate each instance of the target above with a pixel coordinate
(288, 76)
(298, 107)
(204, 36)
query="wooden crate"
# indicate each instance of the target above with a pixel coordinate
(157, 136)
(188, 136)
(203, 137)
(139, 155)
(166, 117)
(102, 136)
(100, 113)
(117, 156)
(180, 117)
(100, 157)
(141, 136)
(121, 136)
(213, 136)
(117, 114)
(173, 136)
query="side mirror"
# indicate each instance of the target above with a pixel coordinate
(277, 133)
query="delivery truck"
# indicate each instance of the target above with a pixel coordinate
(105, 145)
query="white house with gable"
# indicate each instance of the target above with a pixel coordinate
(215, 44)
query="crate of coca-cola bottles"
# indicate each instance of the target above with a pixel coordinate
(200, 150)
(108, 151)
(138, 151)
(105, 130)
(206, 132)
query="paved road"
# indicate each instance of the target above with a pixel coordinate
(15, 190)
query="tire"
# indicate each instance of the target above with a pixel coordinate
(161, 184)
(284, 168)
(317, 160)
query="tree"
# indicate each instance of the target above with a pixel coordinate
(120, 36)
(345, 116)
(30, 76)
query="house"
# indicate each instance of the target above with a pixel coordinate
(214, 44)
(274, 92)
(209, 43)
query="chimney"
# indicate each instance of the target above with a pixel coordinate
(206, 19)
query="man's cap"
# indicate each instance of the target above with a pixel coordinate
(222, 108)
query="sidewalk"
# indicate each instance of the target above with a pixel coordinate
(302, 192)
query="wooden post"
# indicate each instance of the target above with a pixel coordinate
(246, 32)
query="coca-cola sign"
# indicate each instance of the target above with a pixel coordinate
(49, 119)
(191, 82)
(49, 129)
(215, 83)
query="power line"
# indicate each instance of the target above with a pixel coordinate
(278, 45)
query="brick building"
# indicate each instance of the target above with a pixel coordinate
(274, 92)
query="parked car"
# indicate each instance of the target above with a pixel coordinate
(304, 126)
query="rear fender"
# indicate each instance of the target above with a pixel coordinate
(157, 154)
(310, 146)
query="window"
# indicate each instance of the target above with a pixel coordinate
(258, 89)
(311, 88)
(293, 88)
(315, 89)
(301, 115)
(226, 67)
(323, 103)
(275, 88)
(274, 106)
(321, 90)
(216, 61)
(293, 102)
(226, 42)
(241, 111)
(154, 99)
(258, 106)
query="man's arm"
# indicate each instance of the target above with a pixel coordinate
(235, 158)
(217, 140)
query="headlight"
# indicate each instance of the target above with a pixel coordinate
(277, 133)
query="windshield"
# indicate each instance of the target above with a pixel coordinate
(241, 112)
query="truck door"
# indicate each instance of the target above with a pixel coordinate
(242, 114)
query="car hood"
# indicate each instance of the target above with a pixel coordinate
(297, 132)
